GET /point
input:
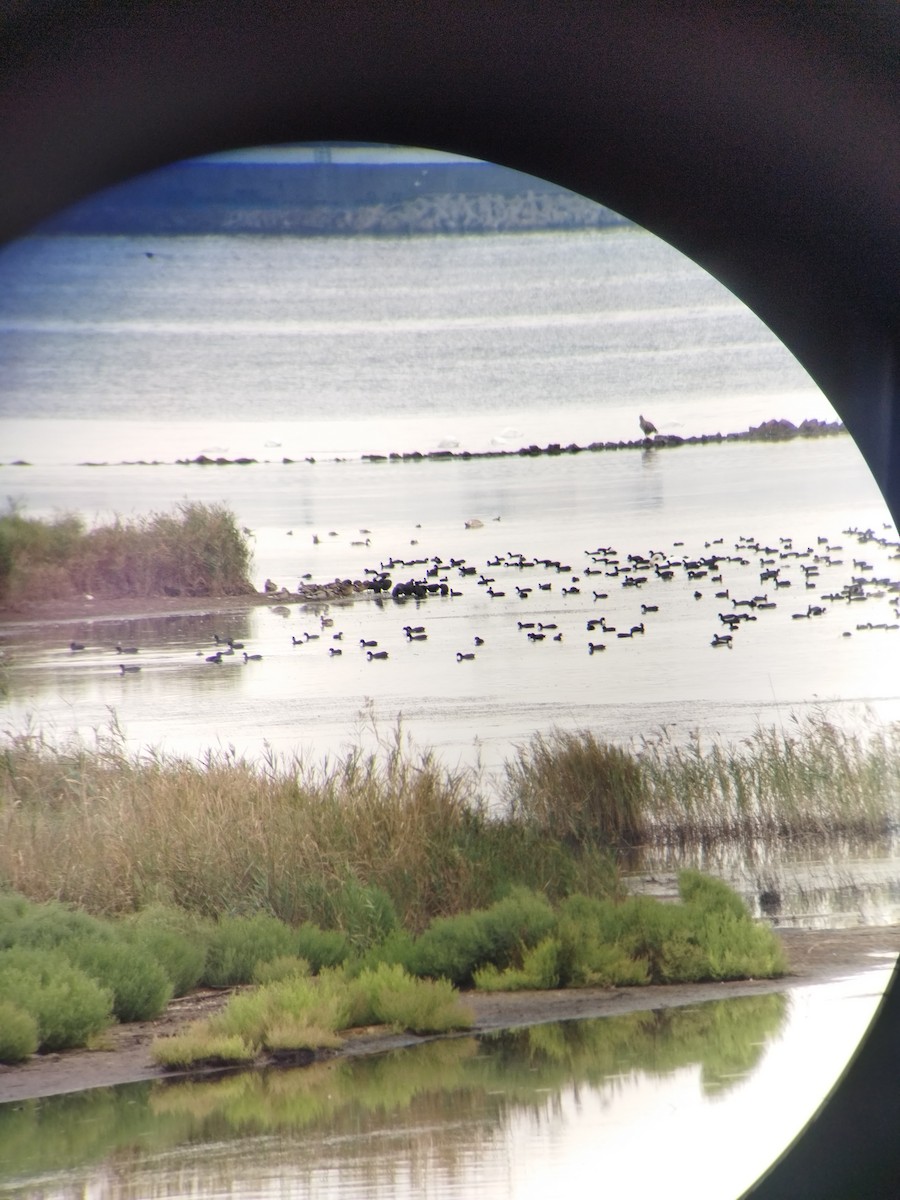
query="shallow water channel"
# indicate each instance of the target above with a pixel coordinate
(692, 1101)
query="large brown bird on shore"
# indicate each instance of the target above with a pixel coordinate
(647, 427)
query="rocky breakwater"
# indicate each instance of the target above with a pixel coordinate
(768, 431)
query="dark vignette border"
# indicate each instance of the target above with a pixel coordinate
(761, 139)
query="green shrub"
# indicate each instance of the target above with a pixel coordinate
(292, 1033)
(451, 948)
(521, 919)
(237, 944)
(324, 1002)
(45, 926)
(68, 1006)
(390, 996)
(18, 1033)
(177, 940)
(540, 970)
(709, 894)
(398, 947)
(286, 966)
(454, 947)
(140, 986)
(322, 947)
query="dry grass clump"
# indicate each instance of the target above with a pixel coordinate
(358, 846)
(196, 551)
(578, 790)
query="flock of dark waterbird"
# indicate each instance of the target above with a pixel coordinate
(607, 582)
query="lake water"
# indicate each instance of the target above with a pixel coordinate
(118, 349)
(717, 1090)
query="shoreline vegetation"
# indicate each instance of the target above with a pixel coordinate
(196, 551)
(378, 890)
(775, 430)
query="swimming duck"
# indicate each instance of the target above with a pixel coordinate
(131, 667)
(126, 649)
(376, 654)
(460, 656)
(252, 657)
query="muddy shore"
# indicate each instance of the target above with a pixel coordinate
(814, 956)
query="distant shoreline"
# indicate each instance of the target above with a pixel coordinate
(775, 430)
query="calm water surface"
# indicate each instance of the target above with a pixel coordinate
(717, 1090)
(301, 699)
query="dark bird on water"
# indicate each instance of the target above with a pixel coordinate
(120, 649)
(647, 427)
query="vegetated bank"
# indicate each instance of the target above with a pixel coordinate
(65, 975)
(387, 871)
(198, 550)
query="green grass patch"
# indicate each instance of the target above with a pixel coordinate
(197, 1046)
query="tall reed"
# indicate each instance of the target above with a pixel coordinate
(356, 844)
(812, 781)
(372, 841)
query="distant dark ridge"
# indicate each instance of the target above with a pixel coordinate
(331, 199)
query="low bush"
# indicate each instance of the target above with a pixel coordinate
(140, 986)
(540, 970)
(68, 1006)
(454, 947)
(710, 894)
(324, 1002)
(196, 551)
(237, 944)
(286, 966)
(322, 947)
(393, 997)
(292, 1033)
(49, 925)
(18, 1033)
(179, 947)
